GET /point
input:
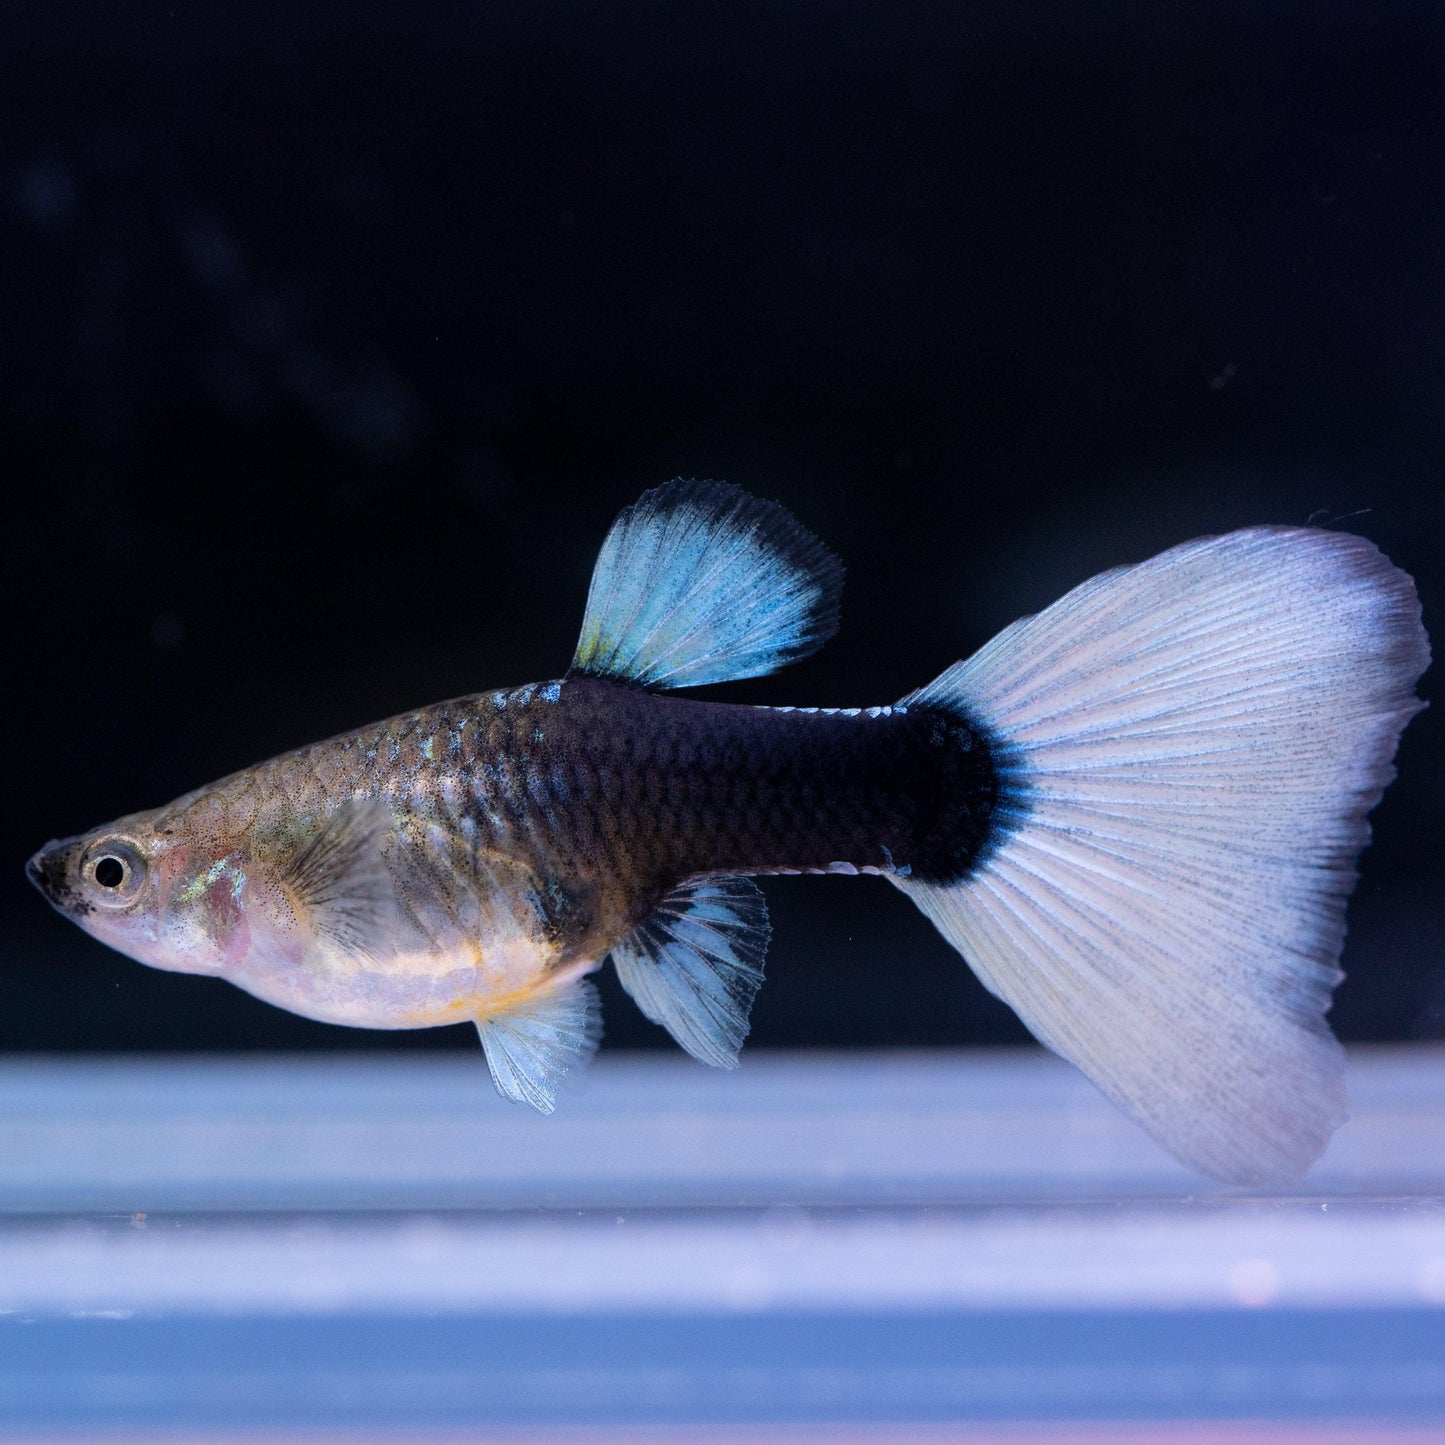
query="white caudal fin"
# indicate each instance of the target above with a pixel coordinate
(700, 582)
(1188, 751)
(532, 1046)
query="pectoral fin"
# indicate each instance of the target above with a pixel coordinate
(338, 881)
(530, 1046)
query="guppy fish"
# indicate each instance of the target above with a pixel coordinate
(1136, 815)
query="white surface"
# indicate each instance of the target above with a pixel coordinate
(776, 1259)
(382, 1245)
(642, 1131)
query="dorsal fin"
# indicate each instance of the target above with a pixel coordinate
(699, 582)
(695, 963)
(531, 1046)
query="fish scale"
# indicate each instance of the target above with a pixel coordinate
(647, 786)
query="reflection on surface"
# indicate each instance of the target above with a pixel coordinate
(368, 1244)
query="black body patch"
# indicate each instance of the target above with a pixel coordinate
(668, 787)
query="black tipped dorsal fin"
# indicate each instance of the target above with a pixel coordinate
(695, 963)
(699, 582)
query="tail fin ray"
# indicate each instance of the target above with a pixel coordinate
(1188, 750)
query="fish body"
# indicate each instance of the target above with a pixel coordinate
(1136, 815)
(521, 832)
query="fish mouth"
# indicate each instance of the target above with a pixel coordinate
(35, 871)
(46, 871)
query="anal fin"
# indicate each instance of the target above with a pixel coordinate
(695, 963)
(531, 1046)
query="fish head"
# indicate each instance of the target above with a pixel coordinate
(156, 893)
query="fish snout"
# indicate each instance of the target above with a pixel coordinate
(35, 868)
(46, 870)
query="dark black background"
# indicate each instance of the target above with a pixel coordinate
(333, 335)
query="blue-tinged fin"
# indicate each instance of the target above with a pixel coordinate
(695, 964)
(699, 582)
(532, 1046)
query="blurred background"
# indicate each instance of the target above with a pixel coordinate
(333, 336)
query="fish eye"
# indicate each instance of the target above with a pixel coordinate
(116, 871)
